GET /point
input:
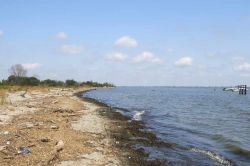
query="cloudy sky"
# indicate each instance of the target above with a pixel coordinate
(130, 42)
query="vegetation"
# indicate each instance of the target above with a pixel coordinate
(96, 84)
(33, 81)
(14, 80)
(71, 83)
(18, 78)
(17, 70)
(49, 82)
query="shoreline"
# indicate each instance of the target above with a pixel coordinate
(60, 127)
(129, 133)
(149, 138)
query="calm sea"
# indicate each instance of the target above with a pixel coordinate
(208, 126)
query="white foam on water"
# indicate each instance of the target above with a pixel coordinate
(138, 115)
(119, 111)
(213, 156)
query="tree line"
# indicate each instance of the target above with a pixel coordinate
(18, 77)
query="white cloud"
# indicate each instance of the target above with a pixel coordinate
(1, 33)
(243, 67)
(146, 57)
(61, 35)
(126, 41)
(71, 49)
(117, 56)
(31, 66)
(184, 61)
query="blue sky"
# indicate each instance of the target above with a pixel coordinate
(132, 42)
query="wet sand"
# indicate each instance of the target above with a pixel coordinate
(58, 127)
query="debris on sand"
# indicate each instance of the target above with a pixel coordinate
(2, 148)
(45, 139)
(4, 132)
(59, 146)
(26, 125)
(24, 150)
(54, 127)
(40, 129)
(62, 110)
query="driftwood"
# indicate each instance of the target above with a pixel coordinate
(23, 94)
(55, 154)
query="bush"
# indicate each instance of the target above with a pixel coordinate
(49, 82)
(96, 84)
(71, 83)
(14, 80)
(33, 81)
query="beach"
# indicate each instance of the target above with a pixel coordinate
(56, 126)
(117, 126)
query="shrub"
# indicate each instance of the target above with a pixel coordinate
(71, 83)
(49, 82)
(14, 80)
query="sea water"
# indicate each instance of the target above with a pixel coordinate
(208, 126)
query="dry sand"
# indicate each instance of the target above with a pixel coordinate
(57, 128)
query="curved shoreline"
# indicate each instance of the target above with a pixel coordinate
(89, 131)
(145, 138)
(92, 132)
(87, 136)
(128, 133)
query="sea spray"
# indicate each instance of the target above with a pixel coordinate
(138, 115)
(213, 156)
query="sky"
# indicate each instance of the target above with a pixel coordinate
(128, 43)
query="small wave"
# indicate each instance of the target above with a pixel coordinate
(138, 115)
(218, 137)
(238, 150)
(226, 141)
(213, 156)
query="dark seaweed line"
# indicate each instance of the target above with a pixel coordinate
(133, 129)
(123, 130)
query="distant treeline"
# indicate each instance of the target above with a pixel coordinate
(33, 81)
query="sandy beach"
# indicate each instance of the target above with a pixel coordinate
(42, 119)
(55, 126)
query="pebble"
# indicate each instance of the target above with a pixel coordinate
(45, 139)
(2, 148)
(59, 145)
(4, 133)
(54, 127)
(26, 125)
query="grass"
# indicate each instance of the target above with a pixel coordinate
(8, 88)
(2, 97)
(4, 89)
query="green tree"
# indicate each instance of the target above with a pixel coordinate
(71, 83)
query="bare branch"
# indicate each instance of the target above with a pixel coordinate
(18, 70)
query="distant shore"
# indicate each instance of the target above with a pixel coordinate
(57, 126)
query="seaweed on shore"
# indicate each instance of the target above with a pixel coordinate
(127, 133)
